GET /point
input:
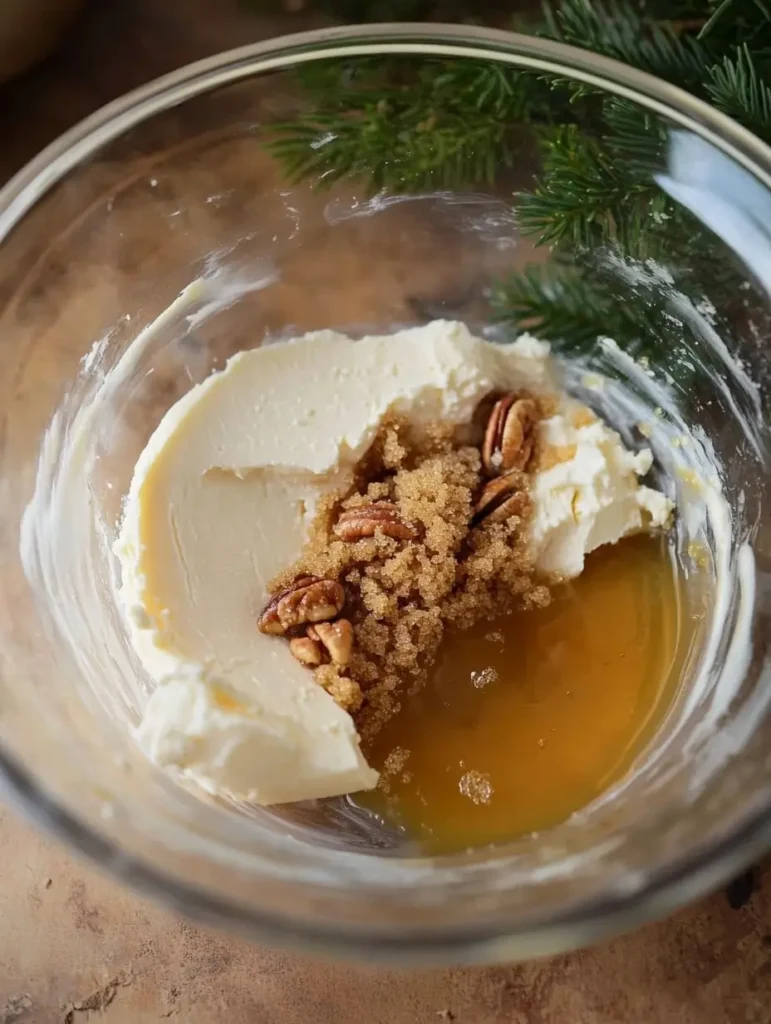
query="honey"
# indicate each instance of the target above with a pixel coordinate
(528, 718)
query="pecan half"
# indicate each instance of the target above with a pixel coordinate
(309, 599)
(307, 651)
(377, 517)
(509, 436)
(501, 498)
(337, 638)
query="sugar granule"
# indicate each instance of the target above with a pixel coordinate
(484, 677)
(476, 786)
(402, 597)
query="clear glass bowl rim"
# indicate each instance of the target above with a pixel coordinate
(684, 880)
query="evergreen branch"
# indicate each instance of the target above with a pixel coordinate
(335, 85)
(395, 149)
(408, 123)
(619, 29)
(444, 124)
(737, 88)
(551, 306)
(635, 135)
(575, 308)
(585, 197)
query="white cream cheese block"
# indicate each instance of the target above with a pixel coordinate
(221, 500)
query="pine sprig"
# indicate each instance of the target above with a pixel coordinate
(576, 308)
(452, 123)
(620, 30)
(585, 196)
(409, 124)
(636, 137)
(550, 305)
(599, 192)
(736, 87)
(577, 305)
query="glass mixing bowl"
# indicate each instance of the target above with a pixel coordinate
(182, 180)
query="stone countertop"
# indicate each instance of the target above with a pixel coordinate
(76, 947)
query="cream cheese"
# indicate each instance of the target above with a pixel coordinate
(221, 500)
(592, 495)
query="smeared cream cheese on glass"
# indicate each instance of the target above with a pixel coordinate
(222, 498)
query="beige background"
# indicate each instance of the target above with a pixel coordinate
(75, 947)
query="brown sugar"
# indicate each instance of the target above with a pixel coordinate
(415, 562)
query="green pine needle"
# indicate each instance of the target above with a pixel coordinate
(586, 197)
(449, 127)
(619, 29)
(412, 124)
(736, 87)
(738, 22)
(575, 309)
(551, 306)
(636, 137)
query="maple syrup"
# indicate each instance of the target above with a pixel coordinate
(526, 719)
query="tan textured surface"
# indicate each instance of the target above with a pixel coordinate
(71, 937)
(75, 947)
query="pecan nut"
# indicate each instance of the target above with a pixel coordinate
(307, 651)
(377, 517)
(509, 437)
(501, 498)
(308, 599)
(336, 637)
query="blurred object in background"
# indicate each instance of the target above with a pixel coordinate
(29, 31)
(488, 12)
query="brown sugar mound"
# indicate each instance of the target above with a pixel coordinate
(441, 568)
